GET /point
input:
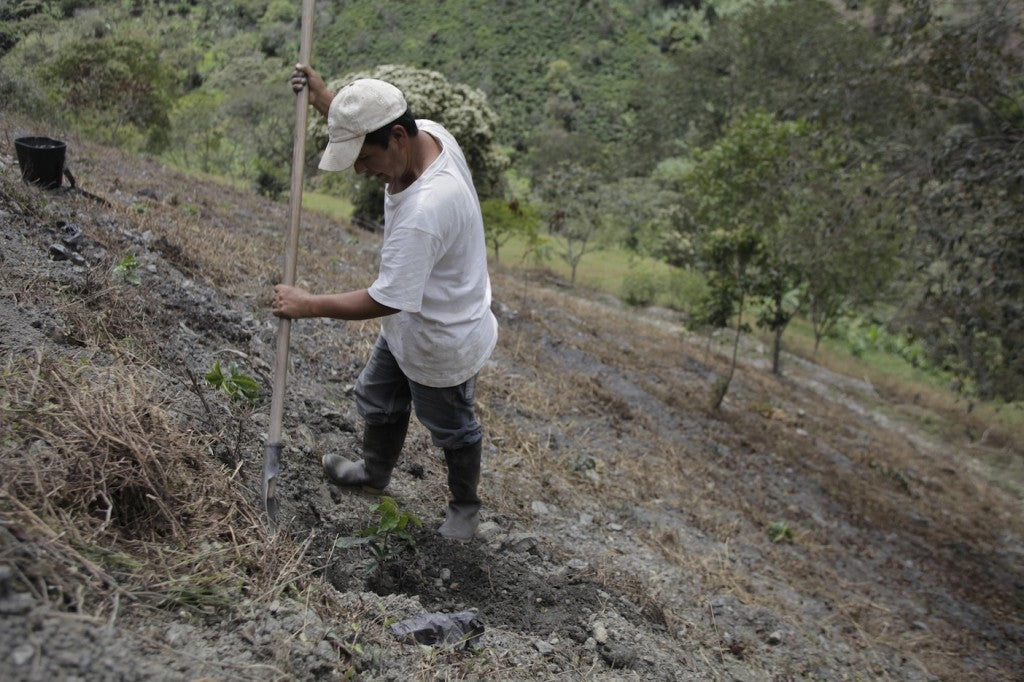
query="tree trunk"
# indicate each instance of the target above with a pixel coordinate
(722, 385)
(777, 350)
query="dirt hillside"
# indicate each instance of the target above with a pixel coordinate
(815, 527)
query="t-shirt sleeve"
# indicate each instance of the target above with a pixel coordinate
(406, 259)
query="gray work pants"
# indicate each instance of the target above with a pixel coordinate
(384, 393)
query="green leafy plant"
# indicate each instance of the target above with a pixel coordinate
(237, 385)
(780, 531)
(126, 270)
(387, 537)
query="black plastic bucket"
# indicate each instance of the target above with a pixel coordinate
(41, 160)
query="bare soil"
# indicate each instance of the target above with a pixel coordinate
(810, 528)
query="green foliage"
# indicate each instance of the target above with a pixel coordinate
(236, 385)
(114, 87)
(844, 236)
(505, 220)
(570, 190)
(639, 288)
(8, 37)
(967, 308)
(861, 334)
(667, 286)
(199, 131)
(735, 193)
(798, 59)
(271, 180)
(126, 270)
(786, 217)
(381, 538)
(780, 531)
(506, 51)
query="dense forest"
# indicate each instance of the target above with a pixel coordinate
(857, 162)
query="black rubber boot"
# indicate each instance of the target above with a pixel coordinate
(463, 514)
(382, 444)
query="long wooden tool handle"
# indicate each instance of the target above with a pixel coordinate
(291, 250)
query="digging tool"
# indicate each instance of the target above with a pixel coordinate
(272, 450)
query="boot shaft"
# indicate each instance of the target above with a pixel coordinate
(382, 445)
(464, 473)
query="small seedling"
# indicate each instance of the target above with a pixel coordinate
(237, 385)
(780, 531)
(125, 270)
(381, 538)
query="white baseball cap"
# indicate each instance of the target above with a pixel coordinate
(359, 108)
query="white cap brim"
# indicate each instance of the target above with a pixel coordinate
(341, 155)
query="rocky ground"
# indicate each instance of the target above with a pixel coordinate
(814, 527)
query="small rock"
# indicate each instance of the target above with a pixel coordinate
(775, 637)
(446, 574)
(600, 632)
(577, 564)
(59, 252)
(177, 634)
(543, 647)
(488, 531)
(71, 236)
(617, 656)
(522, 543)
(539, 508)
(22, 654)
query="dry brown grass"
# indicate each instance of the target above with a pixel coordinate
(111, 495)
(100, 473)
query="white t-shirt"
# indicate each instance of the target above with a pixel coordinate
(433, 269)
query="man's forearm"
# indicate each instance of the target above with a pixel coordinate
(321, 100)
(351, 305)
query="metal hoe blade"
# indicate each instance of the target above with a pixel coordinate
(271, 468)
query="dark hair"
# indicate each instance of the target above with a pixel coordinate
(380, 136)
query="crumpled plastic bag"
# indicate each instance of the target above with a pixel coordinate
(462, 629)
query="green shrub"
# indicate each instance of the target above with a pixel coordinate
(639, 288)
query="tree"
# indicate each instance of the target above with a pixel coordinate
(966, 184)
(738, 193)
(505, 219)
(843, 236)
(727, 255)
(571, 197)
(798, 59)
(113, 86)
(198, 130)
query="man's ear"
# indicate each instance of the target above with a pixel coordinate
(399, 134)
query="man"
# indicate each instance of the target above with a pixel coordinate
(432, 291)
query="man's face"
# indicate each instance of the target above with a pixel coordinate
(387, 164)
(376, 161)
